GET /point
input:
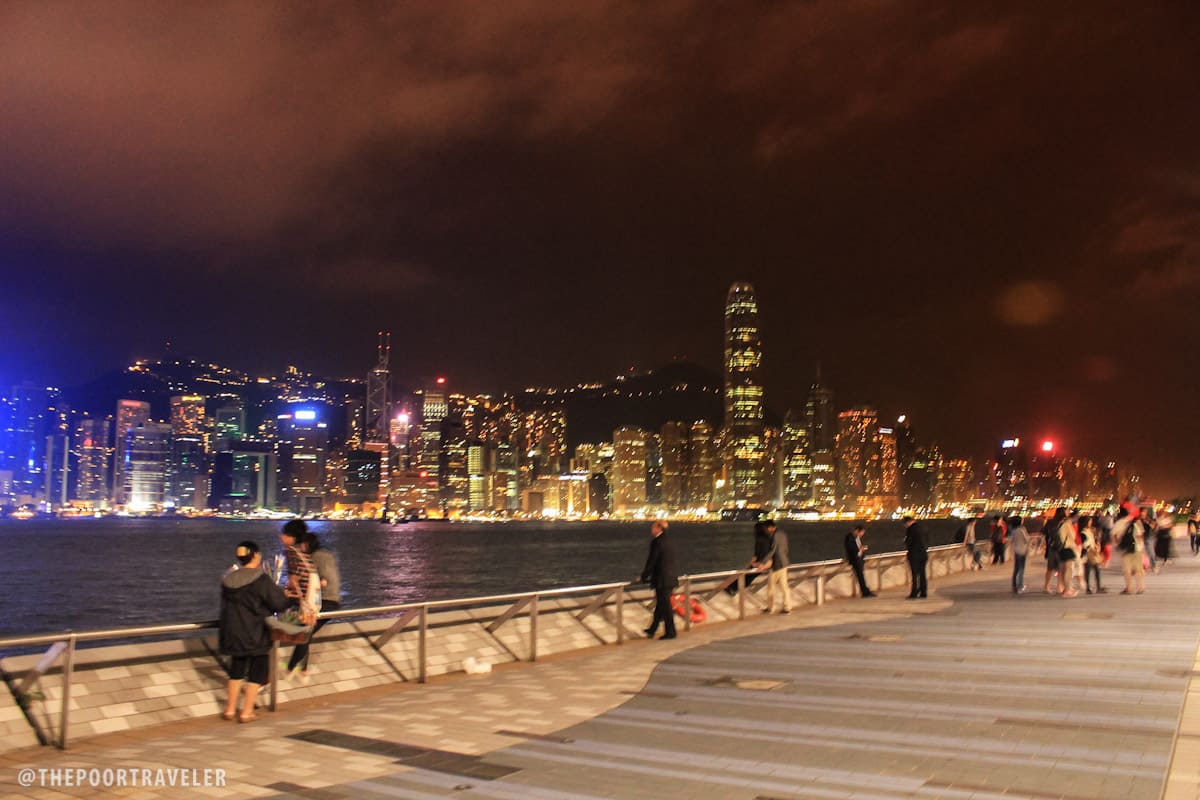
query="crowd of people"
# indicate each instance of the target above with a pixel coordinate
(1078, 547)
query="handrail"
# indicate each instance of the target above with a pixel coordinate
(520, 603)
(462, 602)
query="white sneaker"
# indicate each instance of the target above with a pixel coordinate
(301, 676)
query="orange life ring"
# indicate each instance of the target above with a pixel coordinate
(698, 612)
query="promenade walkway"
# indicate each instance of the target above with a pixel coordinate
(973, 693)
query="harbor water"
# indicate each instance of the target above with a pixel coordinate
(84, 574)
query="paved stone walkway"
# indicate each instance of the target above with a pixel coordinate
(974, 693)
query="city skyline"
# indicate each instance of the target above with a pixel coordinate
(985, 218)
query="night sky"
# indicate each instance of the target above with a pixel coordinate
(986, 215)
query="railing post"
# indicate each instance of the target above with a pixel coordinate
(741, 595)
(820, 590)
(621, 615)
(687, 602)
(68, 668)
(274, 675)
(423, 626)
(533, 620)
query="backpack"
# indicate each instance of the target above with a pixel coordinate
(1051, 537)
(1127, 543)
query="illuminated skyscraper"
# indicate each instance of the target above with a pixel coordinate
(856, 432)
(91, 454)
(378, 380)
(703, 464)
(130, 414)
(673, 450)
(797, 461)
(302, 449)
(434, 408)
(745, 452)
(187, 467)
(147, 450)
(818, 412)
(629, 470)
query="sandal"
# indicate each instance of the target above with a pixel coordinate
(248, 717)
(228, 716)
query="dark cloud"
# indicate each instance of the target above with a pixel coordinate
(952, 206)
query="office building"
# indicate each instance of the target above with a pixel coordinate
(188, 465)
(857, 429)
(91, 459)
(797, 461)
(703, 464)
(628, 477)
(301, 448)
(673, 442)
(147, 451)
(130, 414)
(745, 449)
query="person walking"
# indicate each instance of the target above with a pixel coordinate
(1018, 539)
(326, 569)
(1148, 535)
(662, 573)
(1193, 526)
(248, 597)
(776, 560)
(855, 550)
(917, 552)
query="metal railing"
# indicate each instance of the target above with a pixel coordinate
(63, 645)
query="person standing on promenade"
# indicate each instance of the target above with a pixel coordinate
(776, 560)
(762, 546)
(855, 550)
(1068, 555)
(1148, 526)
(1163, 526)
(1018, 538)
(248, 597)
(917, 552)
(1050, 546)
(325, 564)
(1194, 533)
(661, 572)
(966, 535)
(1104, 524)
(1093, 555)
(1128, 533)
(999, 540)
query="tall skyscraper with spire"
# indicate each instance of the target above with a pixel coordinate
(745, 448)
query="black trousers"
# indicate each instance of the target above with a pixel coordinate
(920, 584)
(857, 566)
(300, 653)
(662, 611)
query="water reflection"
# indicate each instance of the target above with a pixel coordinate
(84, 574)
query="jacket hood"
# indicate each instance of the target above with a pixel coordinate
(238, 578)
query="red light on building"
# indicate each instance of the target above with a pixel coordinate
(1047, 446)
(441, 381)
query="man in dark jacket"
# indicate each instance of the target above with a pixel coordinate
(661, 572)
(248, 597)
(918, 557)
(855, 550)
